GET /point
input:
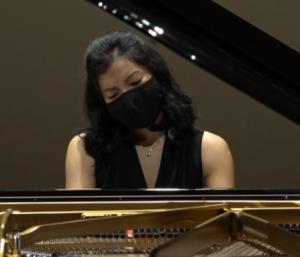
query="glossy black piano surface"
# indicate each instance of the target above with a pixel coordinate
(149, 194)
(222, 43)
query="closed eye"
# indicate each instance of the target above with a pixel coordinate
(136, 82)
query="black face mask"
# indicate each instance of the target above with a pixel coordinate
(138, 107)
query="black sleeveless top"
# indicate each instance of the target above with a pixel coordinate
(180, 167)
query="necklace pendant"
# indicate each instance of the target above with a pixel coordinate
(148, 153)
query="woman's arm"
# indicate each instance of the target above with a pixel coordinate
(80, 170)
(217, 162)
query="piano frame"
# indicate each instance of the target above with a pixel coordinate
(213, 215)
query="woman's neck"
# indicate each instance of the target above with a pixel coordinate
(146, 137)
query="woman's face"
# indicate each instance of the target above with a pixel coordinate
(122, 75)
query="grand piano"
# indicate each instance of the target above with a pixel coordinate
(165, 223)
(174, 222)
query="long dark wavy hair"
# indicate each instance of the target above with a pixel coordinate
(104, 134)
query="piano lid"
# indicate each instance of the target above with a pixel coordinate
(62, 195)
(222, 43)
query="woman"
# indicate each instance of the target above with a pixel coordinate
(142, 132)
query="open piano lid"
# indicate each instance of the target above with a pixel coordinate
(222, 43)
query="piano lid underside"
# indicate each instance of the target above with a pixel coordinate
(222, 43)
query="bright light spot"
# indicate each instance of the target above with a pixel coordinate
(114, 11)
(152, 32)
(138, 24)
(147, 23)
(134, 15)
(159, 30)
(193, 57)
(100, 4)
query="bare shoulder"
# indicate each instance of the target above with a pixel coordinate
(77, 142)
(76, 150)
(217, 161)
(79, 165)
(213, 143)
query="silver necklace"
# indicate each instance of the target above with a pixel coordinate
(148, 150)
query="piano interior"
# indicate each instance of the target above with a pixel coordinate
(150, 227)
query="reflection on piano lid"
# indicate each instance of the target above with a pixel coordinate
(160, 194)
(142, 223)
(222, 43)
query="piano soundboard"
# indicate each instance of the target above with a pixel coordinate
(150, 223)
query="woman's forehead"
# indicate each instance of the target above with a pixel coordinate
(119, 70)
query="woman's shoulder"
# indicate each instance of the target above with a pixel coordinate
(77, 140)
(210, 143)
(79, 166)
(213, 141)
(76, 146)
(217, 158)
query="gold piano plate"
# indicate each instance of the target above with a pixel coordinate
(160, 228)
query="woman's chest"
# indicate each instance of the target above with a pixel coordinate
(150, 163)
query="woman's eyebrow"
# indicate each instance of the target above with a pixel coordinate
(127, 80)
(131, 74)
